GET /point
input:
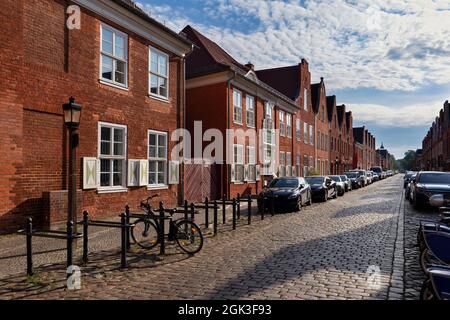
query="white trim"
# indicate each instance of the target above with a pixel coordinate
(108, 189)
(241, 107)
(158, 133)
(252, 98)
(158, 52)
(110, 84)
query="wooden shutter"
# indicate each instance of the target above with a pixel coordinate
(258, 173)
(90, 173)
(174, 172)
(133, 173)
(232, 176)
(143, 173)
(246, 173)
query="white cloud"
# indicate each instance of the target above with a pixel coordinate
(415, 115)
(383, 44)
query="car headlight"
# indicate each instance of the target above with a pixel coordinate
(437, 200)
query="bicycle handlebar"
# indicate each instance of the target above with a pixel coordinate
(146, 201)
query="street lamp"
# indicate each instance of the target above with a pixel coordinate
(72, 115)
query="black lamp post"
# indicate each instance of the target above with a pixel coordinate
(72, 114)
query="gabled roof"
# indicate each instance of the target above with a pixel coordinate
(284, 79)
(316, 94)
(340, 114)
(331, 107)
(358, 134)
(133, 8)
(348, 120)
(209, 56)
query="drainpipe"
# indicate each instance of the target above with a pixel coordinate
(226, 167)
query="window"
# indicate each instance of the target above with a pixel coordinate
(157, 159)
(238, 157)
(298, 129)
(114, 56)
(237, 106)
(288, 159)
(289, 125)
(298, 164)
(158, 73)
(305, 132)
(305, 100)
(250, 106)
(282, 168)
(319, 140)
(251, 160)
(311, 135)
(282, 124)
(112, 155)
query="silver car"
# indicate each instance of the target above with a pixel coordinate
(340, 185)
(348, 183)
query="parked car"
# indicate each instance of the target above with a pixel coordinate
(362, 173)
(355, 178)
(285, 194)
(408, 188)
(389, 173)
(379, 171)
(322, 187)
(340, 185)
(427, 184)
(348, 183)
(406, 178)
(375, 177)
(369, 177)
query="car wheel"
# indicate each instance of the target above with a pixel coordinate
(416, 204)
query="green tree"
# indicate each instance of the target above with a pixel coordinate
(409, 161)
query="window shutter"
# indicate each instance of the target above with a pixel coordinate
(143, 173)
(90, 173)
(133, 173)
(258, 173)
(174, 172)
(246, 173)
(232, 177)
(294, 171)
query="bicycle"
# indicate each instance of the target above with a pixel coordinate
(146, 230)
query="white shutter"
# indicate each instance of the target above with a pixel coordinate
(143, 173)
(294, 171)
(246, 173)
(174, 172)
(258, 173)
(90, 173)
(133, 173)
(232, 171)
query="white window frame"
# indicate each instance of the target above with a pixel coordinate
(153, 50)
(251, 161)
(250, 110)
(305, 133)
(289, 125)
(311, 135)
(238, 149)
(237, 106)
(305, 99)
(113, 57)
(298, 129)
(158, 185)
(288, 156)
(111, 157)
(282, 123)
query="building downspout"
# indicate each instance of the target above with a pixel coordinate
(226, 167)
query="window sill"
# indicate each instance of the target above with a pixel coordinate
(161, 187)
(103, 191)
(159, 98)
(238, 123)
(107, 83)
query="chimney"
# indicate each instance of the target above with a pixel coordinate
(250, 66)
(321, 79)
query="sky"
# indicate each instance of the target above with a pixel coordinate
(387, 60)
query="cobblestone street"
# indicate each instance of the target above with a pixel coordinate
(322, 252)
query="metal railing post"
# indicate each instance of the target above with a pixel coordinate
(162, 249)
(192, 212)
(224, 208)
(127, 220)
(206, 213)
(249, 209)
(215, 217)
(85, 236)
(234, 214)
(69, 245)
(29, 230)
(186, 208)
(123, 249)
(238, 205)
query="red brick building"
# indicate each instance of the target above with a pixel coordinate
(224, 94)
(365, 152)
(334, 133)
(345, 140)
(322, 125)
(125, 69)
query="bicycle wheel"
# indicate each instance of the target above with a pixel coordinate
(145, 233)
(189, 237)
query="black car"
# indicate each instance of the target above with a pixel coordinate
(322, 187)
(356, 179)
(285, 194)
(407, 178)
(427, 184)
(363, 176)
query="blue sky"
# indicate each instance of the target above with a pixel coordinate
(388, 61)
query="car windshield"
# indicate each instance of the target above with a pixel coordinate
(408, 175)
(437, 178)
(284, 183)
(375, 169)
(344, 178)
(315, 180)
(336, 178)
(351, 174)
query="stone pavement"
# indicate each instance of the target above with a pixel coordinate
(323, 252)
